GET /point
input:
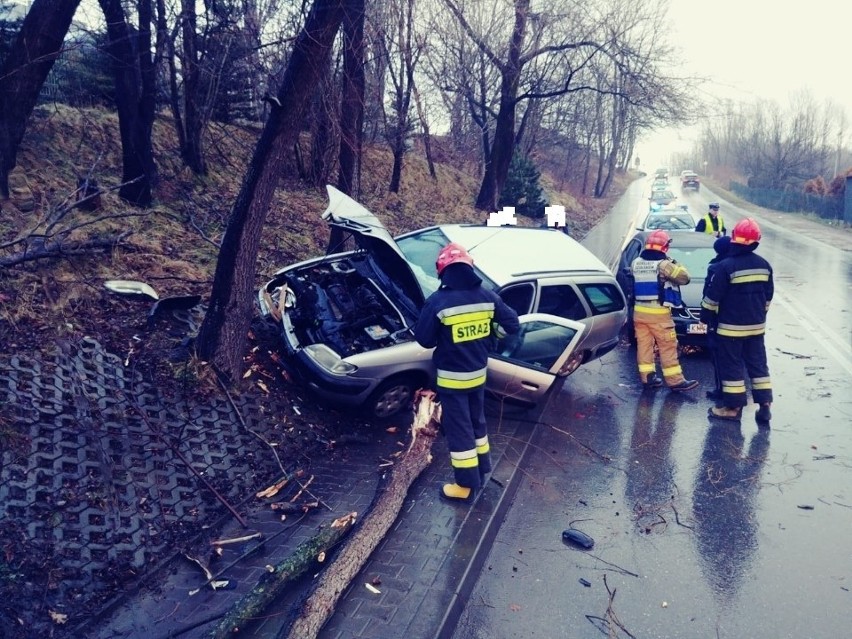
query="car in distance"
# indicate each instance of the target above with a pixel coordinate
(347, 318)
(661, 198)
(694, 251)
(690, 180)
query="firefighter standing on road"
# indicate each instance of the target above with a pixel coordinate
(458, 320)
(712, 223)
(739, 294)
(656, 279)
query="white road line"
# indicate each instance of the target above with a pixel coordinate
(840, 349)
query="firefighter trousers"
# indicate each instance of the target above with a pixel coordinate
(738, 356)
(656, 329)
(464, 425)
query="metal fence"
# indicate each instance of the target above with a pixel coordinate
(826, 207)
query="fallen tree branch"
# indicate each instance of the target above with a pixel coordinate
(39, 249)
(272, 584)
(319, 606)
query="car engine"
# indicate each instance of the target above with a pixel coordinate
(338, 306)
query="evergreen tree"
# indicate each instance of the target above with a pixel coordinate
(522, 189)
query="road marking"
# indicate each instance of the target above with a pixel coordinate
(834, 344)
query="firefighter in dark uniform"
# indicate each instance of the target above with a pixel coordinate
(712, 223)
(656, 282)
(737, 299)
(461, 320)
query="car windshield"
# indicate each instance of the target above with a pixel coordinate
(694, 258)
(668, 222)
(421, 250)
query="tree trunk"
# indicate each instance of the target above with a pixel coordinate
(319, 606)
(166, 43)
(427, 138)
(272, 584)
(221, 339)
(352, 100)
(37, 46)
(192, 149)
(504, 131)
(133, 68)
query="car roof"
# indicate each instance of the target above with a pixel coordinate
(533, 251)
(683, 240)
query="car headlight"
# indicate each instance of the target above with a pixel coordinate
(329, 360)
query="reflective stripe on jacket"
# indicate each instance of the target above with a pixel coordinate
(739, 293)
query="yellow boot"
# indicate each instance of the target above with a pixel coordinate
(454, 492)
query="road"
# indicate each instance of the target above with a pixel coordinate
(700, 529)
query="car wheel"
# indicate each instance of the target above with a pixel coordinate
(393, 396)
(572, 363)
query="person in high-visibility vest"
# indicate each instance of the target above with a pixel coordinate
(712, 223)
(656, 282)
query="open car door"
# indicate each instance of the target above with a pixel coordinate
(524, 366)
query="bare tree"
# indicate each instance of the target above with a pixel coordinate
(221, 339)
(352, 99)
(133, 69)
(37, 46)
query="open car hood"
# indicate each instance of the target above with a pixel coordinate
(371, 236)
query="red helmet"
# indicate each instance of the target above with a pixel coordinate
(658, 241)
(451, 254)
(746, 232)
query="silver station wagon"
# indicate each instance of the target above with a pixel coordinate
(347, 318)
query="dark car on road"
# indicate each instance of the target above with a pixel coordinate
(694, 251)
(690, 180)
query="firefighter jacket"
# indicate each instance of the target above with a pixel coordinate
(711, 225)
(459, 321)
(738, 294)
(653, 275)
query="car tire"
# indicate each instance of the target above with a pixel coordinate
(573, 362)
(392, 397)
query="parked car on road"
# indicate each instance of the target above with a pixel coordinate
(661, 198)
(347, 318)
(694, 251)
(669, 218)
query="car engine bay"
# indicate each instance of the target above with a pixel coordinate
(337, 305)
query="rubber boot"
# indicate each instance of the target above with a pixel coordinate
(685, 385)
(763, 414)
(454, 492)
(724, 413)
(654, 381)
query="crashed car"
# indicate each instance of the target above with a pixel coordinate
(694, 251)
(690, 180)
(347, 318)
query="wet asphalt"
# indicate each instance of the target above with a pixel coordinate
(701, 529)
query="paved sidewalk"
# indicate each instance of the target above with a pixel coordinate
(423, 568)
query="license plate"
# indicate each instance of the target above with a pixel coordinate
(696, 328)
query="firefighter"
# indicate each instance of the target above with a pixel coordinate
(712, 223)
(462, 320)
(737, 299)
(656, 281)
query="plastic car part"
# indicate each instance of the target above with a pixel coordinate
(572, 363)
(578, 538)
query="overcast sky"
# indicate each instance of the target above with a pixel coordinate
(760, 49)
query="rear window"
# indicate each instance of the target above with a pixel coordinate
(603, 298)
